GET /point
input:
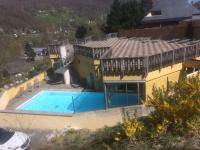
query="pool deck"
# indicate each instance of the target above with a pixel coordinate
(43, 86)
(12, 118)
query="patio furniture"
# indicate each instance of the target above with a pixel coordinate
(21, 92)
(55, 82)
(6, 86)
(36, 83)
(29, 87)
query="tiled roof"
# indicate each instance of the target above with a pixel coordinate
(100, 44)
(141, 47)
(137, 47)
(172, 9)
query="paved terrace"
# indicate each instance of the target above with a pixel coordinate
(25, 120)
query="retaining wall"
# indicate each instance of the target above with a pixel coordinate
(10, 94)
(90, 120)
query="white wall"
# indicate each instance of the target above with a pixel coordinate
(66, 51)
(67, 77)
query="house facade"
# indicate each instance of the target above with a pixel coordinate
(61, 56)
(60, 51)
(171, 12)
(86, 63)
(130, 68)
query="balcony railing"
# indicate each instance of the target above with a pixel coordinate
(145, 64)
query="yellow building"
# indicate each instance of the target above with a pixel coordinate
(60, 51)
(129, 68)
(87, 62)
(54, 52)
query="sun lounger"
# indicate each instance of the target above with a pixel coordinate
(36, 83)
(29, 87)
(55, 82)
(21, 92)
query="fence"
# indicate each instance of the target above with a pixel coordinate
(165, 33)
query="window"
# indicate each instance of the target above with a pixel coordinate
(124, 94)
(156, 12)
(5, 135)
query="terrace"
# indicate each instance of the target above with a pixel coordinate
(142, 55)
(138, 55)
(95, 49)
(11, 117)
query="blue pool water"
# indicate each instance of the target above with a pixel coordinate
(70, 102)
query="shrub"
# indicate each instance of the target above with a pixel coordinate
(132, 129)
(176, 108)
(39, 66)
(72, 139)
(29, 51)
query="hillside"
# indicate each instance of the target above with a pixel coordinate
(42, 21)
(21, 14)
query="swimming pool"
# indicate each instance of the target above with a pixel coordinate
(72, 102)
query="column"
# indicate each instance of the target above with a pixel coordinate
(105, 96)
(138, 92)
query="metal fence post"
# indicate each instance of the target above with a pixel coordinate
(73, 104)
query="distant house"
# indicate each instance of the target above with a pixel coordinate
(61, 56)
(40, 51)
(58, 51)
(171, 12)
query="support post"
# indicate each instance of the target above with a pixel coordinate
(93, 53)
(173, 57)
(126, 95)
(184, 54)
(73, 104)
(105, 96)
(161, 58)
(138, 91)
(196, 54)
(147, 65)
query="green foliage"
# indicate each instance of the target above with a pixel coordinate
(86, 140)
(28, 50)
(124, 15)
(65, 21)
(4, 81)
(4, 77)
(132, 14)
(114, 17)
(81, 32)
(95, 31)
(177, 109)
(40, 66)
(71, 140)
(10, 47)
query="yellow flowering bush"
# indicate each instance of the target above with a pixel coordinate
(176, 111)
(132, 128)
(176, 108)
(117, 136)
